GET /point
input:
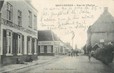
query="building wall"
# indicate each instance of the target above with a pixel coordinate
(58, 48)
(13, 26)
(22, 6)
(48, 52)
(96, 37)
(102, 29)
(48, 45)
(55, 44)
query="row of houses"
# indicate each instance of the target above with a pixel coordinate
(20, 39)
(50, 44)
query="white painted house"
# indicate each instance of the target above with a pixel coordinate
(18, 31)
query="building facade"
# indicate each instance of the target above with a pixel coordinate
(18, 32)
(45, 43)
(102, 30)
(63, 48)
(50, 44)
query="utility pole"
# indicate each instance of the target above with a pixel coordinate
(73, 35)
(72, 43)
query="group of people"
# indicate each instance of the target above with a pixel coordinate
(73, 53)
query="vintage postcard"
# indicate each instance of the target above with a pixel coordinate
(56, 36)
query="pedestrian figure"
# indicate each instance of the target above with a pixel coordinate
(90, 55)
(73, 53)
(76, 53)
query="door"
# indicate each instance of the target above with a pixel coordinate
(45, 49)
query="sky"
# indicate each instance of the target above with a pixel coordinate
(48, 17)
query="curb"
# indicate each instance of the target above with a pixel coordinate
(28, 65)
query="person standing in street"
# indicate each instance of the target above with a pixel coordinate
(90, 55)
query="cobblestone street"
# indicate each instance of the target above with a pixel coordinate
(79, 64)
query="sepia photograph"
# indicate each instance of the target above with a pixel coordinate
(56, 36)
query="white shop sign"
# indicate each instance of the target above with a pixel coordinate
(45, 43)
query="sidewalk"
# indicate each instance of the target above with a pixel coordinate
(41, 60)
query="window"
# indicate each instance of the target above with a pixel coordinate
(9, 42)
(29, 45)
(19, 44)
(41, 49)
(15, 43)
(35, 22)
(35, 46)
(19, 18)
(51, 49)
(9, 11)
(30, 19)
(45, 49)
(4, 42)
(23, 44)
(38, 49)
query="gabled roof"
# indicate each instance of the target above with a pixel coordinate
(55, 37)
(47, 35)
(105, 23)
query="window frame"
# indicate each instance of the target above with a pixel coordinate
(20, 48)
(51, 48)
(35, 22)
(45, 49)
(30, 19)
(19, 17)
(9, 51)
(29, 41)
(35, 46)
(9, 12)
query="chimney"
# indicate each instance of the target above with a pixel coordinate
(105, 9)
(28, 1)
